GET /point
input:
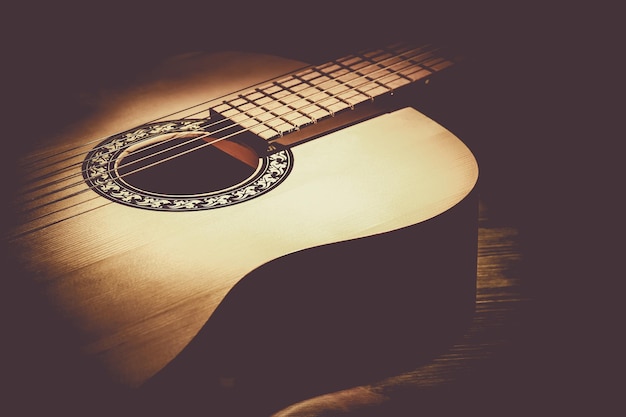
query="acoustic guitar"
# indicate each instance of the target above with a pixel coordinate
(250, 226)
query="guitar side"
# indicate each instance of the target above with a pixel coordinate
(139, 285)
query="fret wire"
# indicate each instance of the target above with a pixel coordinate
(288, 84)
(318, 71)
(402, 63)
(291, 88)
(310, 74)
(405, 60)
(163, 117)
(311, 101)
(422, 59)
(404, 49)
(253, 105)
(317, 105)
(293, 107)
(281, 87)
(299, 98)
(281, 95)
(351, 70)
(332, 67)
(377, 80)
(328, 91)
(330, 76)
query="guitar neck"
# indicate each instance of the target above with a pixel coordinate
(284, 106)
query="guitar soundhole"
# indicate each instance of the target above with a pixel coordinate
(185, 166)
(178, 166)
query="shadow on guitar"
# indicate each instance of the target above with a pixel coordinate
(325, 319)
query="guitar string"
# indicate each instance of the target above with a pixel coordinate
(205, 144)
(160, 118)
(417, 52)
(229, 126)
(241, 130)
(56, 221)
(146, 166)
(208, 102)
(72, 185)
(99, 147)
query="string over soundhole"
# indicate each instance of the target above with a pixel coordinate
(178, 166)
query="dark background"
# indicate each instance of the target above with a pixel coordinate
(535, 105)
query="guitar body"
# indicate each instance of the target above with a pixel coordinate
(362, 258)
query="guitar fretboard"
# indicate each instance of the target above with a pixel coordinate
(285, 105)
